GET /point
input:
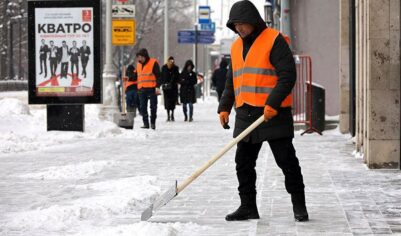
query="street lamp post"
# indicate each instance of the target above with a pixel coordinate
(268, 13)
(109, 106)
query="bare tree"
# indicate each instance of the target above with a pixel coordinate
(149, 25)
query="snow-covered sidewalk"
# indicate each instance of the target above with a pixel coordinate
(98, 182)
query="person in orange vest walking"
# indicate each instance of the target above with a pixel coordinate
(260, 78)
(148, 72)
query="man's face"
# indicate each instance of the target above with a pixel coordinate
(51, 43)
(74, 44)
(244, 29)
(141, 59)
(64, 44)
(84, 43)
(43, 41)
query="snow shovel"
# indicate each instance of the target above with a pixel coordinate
(176, 189)
(124, 119)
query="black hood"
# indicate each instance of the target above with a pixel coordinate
(187, 63)
(245, 12)
(223, 64)
(143, 52)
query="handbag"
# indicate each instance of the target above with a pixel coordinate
(167, 86)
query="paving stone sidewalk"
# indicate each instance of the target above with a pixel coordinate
(343, 196)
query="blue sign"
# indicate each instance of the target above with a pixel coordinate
(186, 40)
(203, 36)
(205, 33)
(204, 15)
(186, 33)
(206, 40)
(209, 27)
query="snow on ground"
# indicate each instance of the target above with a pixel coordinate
(54, 190)
(24, 130)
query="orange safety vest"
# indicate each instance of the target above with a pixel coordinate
(128, 83)
(255, 77)
(146, 78)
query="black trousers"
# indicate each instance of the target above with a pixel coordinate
(284, 154)
(74, 64)
(43, 65)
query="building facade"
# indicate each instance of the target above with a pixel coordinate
(370, 79)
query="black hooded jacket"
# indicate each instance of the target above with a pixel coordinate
(188, 79)
(281, 126)
(219, 76)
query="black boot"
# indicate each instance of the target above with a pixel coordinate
(186, 117)
(153, 126)
(299, 207)
(172, 115)
(247, 210)
(168, 115)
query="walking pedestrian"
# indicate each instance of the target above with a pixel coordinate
(148, 71)
(219, 78)
(260, 78)
(169, 79)
(188, 81)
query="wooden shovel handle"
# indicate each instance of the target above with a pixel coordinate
(210, 162)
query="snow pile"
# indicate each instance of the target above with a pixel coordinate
(118, 198)
(80, 170)
(23, 130)
(13, 106)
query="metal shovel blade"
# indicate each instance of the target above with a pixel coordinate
(160, 201)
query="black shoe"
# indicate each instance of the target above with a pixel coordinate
(190, 119)
(40, 73)
(168, 119)
(299, 207)
(172, 118)
(145, 127)
(244, 213)
(248, 209)
(153, 126)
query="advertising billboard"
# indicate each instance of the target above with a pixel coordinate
(64, 52)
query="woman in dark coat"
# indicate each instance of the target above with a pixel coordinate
(188, 81)
(169, 80)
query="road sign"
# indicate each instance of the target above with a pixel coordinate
(188, 36)
(186, 33)
(205, 33)
(210, 27)
(190, 39)
(206, 40)
(123, 11)
(204, 15)
(123, 32)
(201, 39)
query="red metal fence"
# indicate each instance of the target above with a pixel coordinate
(302, 94)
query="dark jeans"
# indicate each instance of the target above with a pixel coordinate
(284, 154)
(185, 109)
(146, 94)
(132, 99)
